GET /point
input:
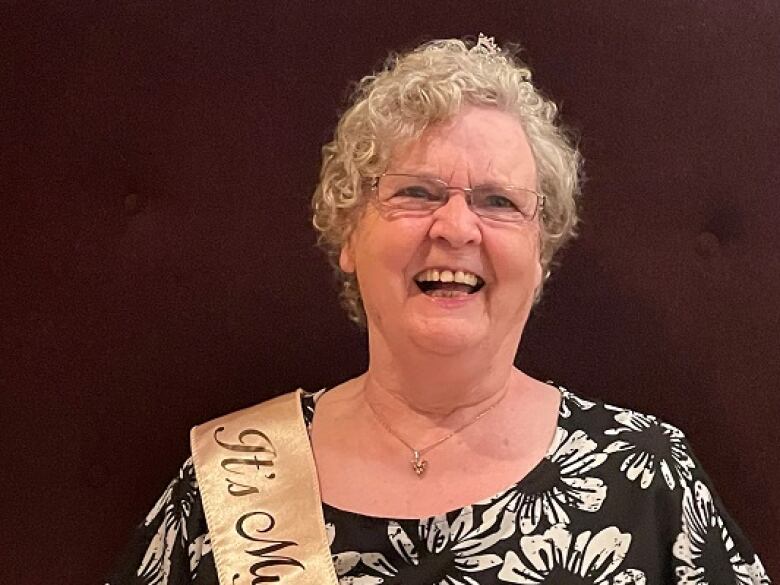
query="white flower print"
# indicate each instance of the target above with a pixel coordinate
(557, 556)
(175, 506)
(705, 547)
(155, 567)
(199, 547)
(758, 573)
(342, 562)
(445, 553)
(568, 397)
(562, 485)
(649, 446)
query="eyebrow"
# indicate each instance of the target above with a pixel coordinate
(490, 182)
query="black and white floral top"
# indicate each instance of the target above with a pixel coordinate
(619, 499)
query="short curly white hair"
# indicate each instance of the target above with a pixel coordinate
(426, 85)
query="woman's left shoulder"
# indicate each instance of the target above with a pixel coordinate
(648, 465)
(611, 419)
(646, 448)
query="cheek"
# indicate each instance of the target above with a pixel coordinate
(380, 261)
(392, 247)
(517, 258)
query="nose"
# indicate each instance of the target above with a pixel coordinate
(456, 223)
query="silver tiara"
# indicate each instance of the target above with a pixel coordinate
(486, 45)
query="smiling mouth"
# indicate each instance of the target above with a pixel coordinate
(448, 283)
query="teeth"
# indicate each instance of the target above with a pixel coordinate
(434, 275)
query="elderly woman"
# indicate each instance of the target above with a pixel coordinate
(446, 192)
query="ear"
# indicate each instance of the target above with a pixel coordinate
(539, 279)
(347, 258)
(542, 273)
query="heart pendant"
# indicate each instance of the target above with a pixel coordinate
(418, 464)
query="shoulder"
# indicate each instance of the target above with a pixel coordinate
(172, 544)
(268, 408)
(577, 409)
(645, 448)
(179, 510)
(629, 481)
(270, 405)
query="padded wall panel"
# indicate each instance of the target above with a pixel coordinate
(158, 268)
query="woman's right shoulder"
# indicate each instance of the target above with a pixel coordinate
(171, 546)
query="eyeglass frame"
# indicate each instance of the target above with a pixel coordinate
(467, 192)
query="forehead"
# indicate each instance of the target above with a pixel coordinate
(476, 145)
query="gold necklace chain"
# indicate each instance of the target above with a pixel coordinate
(419, 465)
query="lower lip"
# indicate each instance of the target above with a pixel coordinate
(452, 302)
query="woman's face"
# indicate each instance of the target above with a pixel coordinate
(395, 255)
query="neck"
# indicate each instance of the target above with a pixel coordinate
(408, 381)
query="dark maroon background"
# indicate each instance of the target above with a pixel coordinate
(158, 269)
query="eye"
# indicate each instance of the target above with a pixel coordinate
(417, 192)
(498, 200)
(410, 192)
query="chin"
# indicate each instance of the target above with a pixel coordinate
(446, 336)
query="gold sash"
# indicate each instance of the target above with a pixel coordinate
(261, 497)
